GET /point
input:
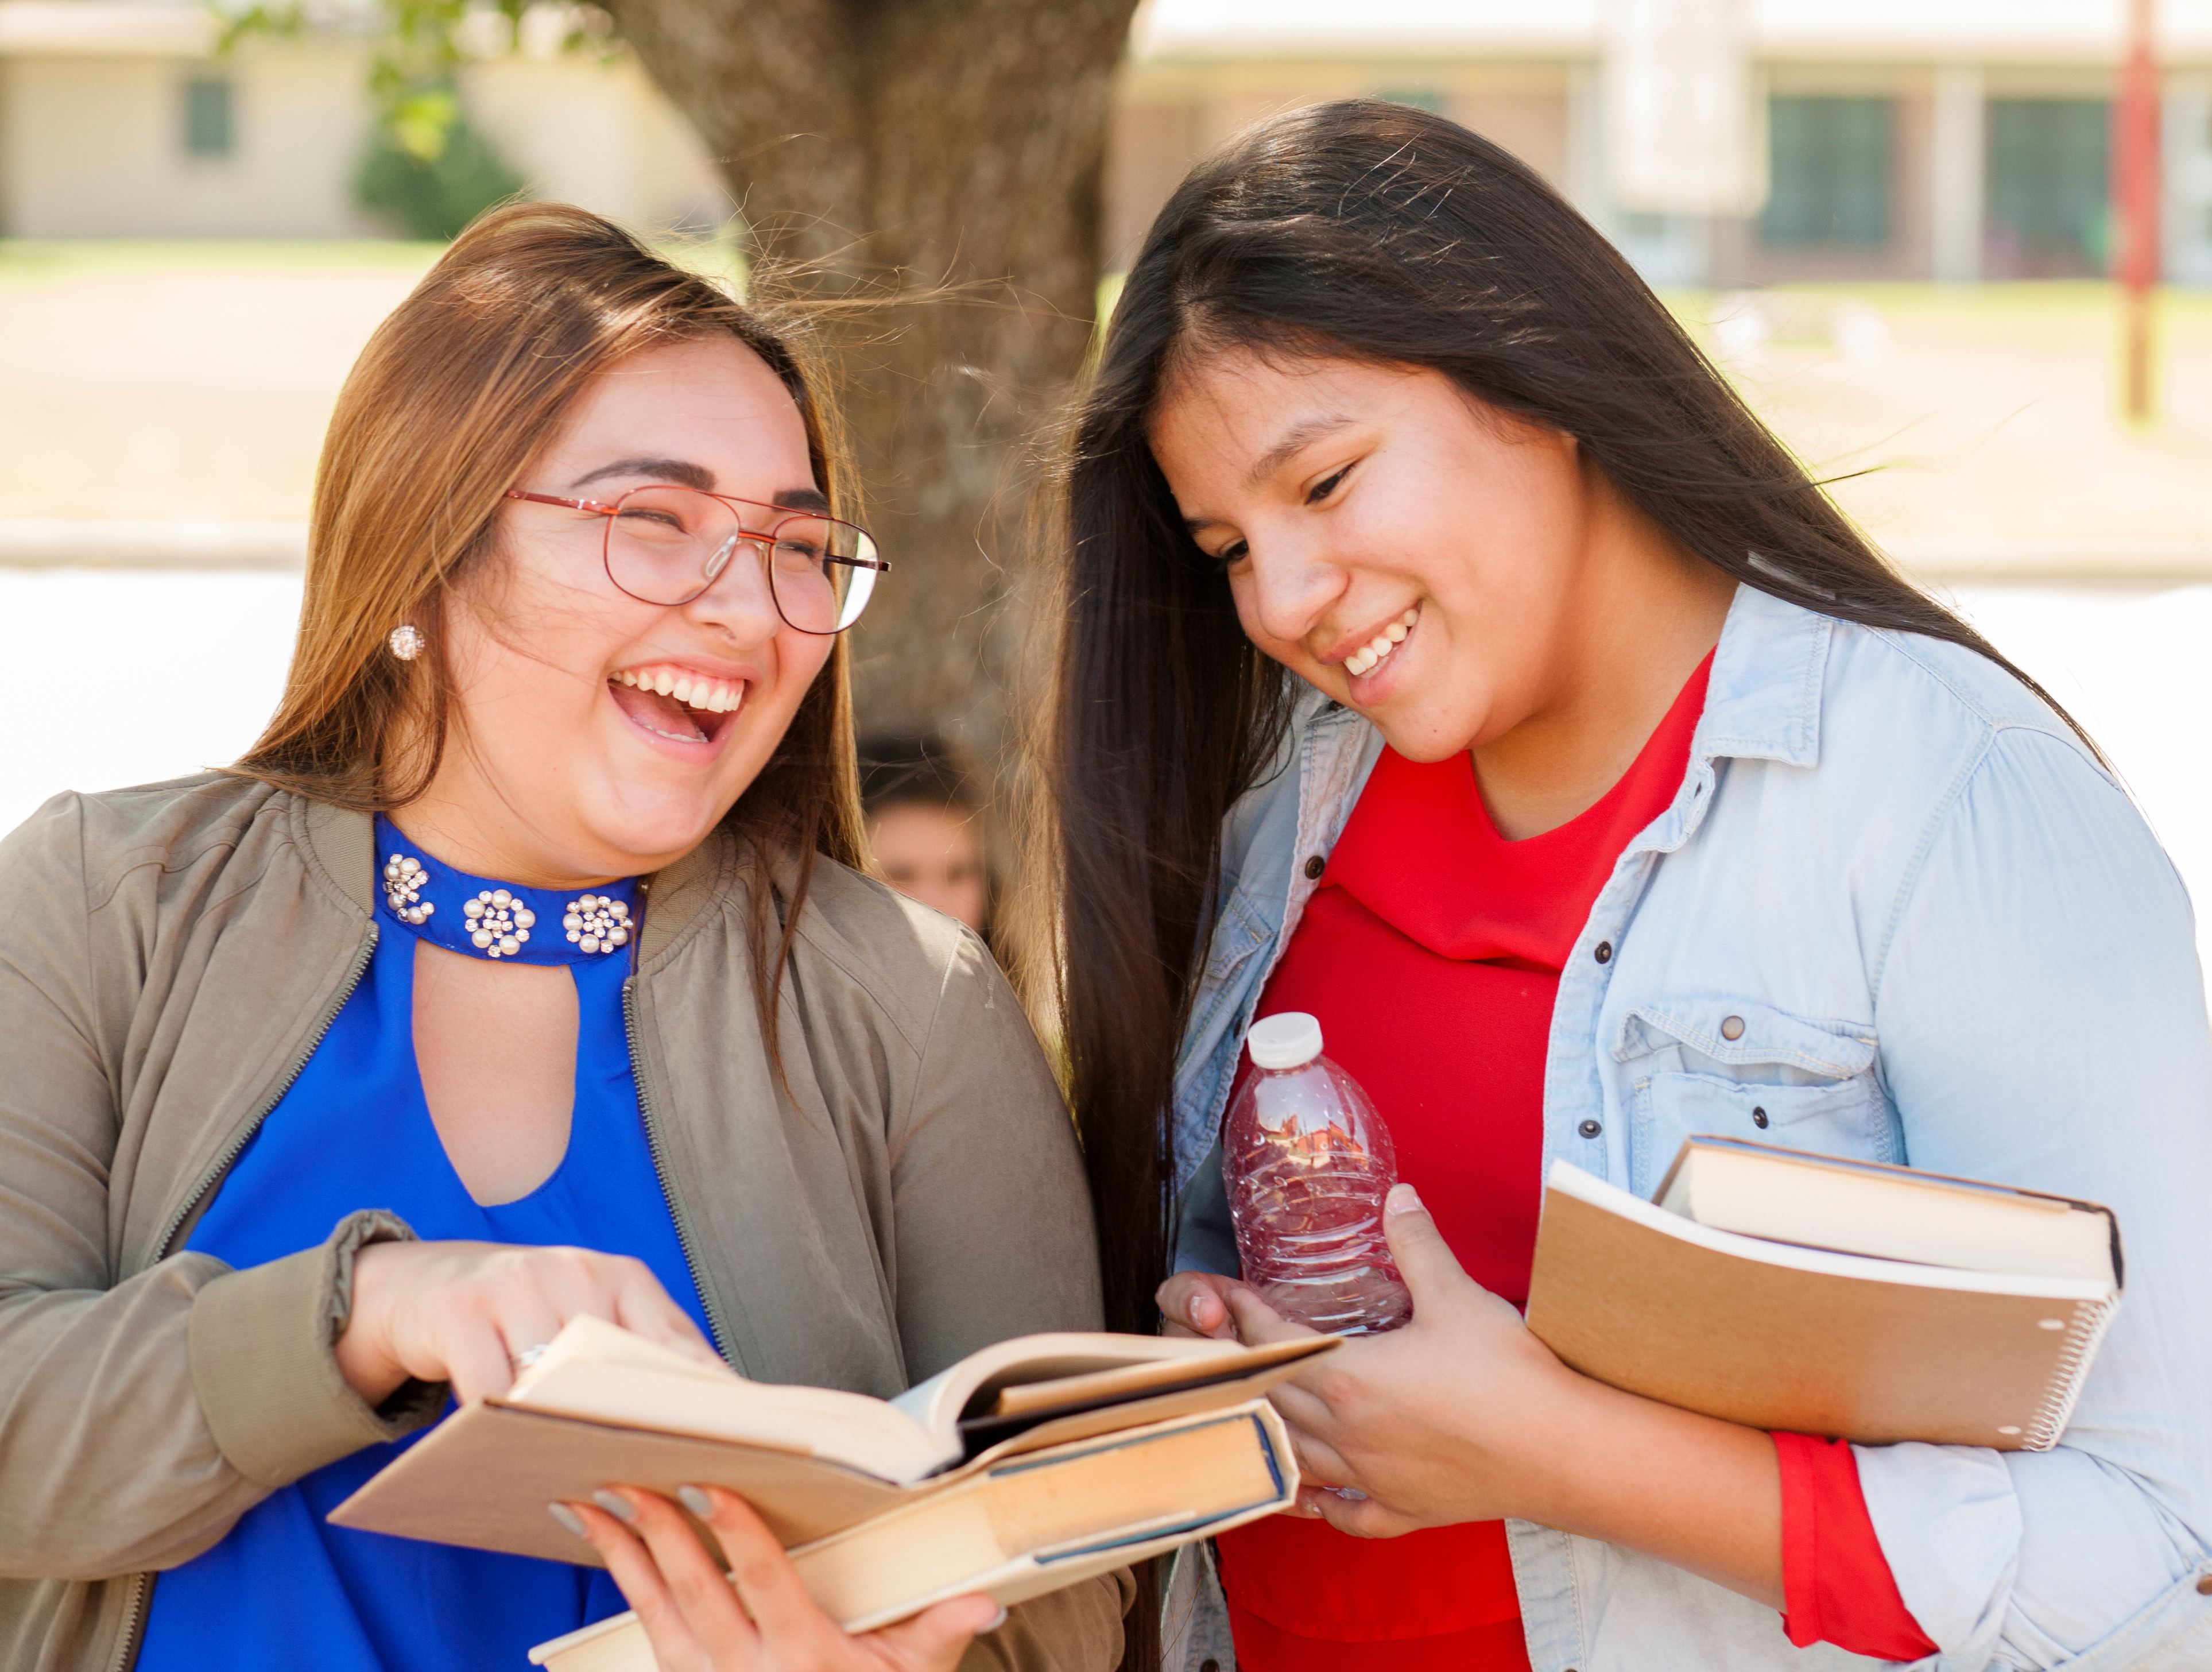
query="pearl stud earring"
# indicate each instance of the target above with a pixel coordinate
(406, 640)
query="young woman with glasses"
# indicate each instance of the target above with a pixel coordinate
(522, 971)
(1449, 652)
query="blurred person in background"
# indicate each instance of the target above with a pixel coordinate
(925, 825)
(1450, 653)
(333, 1084)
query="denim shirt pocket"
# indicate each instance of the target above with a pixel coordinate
(1738, 1068)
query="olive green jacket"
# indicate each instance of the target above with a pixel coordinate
(169, 959)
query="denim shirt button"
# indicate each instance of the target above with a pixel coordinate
(1604, 953)
(1589, 1128)
(1732, 1027)
(1314, 866)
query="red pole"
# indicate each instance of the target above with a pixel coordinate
(2136, 189)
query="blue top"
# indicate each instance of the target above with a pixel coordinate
(1897, 910)
(284, 1588)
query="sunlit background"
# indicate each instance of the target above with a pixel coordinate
(1897, 224)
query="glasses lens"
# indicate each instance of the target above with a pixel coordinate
(821, 570)
(665, 546)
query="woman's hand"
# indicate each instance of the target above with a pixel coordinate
(758, 1618)
(1463, 1415)
(1449, 1418)
(1196, 1303)
(463, 1312)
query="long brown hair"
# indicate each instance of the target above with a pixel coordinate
(1375, 232)
(439, 417)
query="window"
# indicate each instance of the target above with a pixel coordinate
(2047, 192)
(1829, 166)
(208, 128)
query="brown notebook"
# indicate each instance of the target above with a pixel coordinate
(1989, 1348)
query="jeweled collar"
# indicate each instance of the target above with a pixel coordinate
(484, 918)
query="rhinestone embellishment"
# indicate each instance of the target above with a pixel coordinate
(498, 922)
(405, 879)
(597, 923)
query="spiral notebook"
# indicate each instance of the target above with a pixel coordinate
(1824, 1295)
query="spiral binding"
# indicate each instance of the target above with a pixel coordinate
(2091, 1319)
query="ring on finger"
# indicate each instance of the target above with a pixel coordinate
(530, 1355)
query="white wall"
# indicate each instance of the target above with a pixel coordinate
(94, 146)
(601, 135)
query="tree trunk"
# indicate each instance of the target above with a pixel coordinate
(935, 143)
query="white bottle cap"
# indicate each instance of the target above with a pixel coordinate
(1288, 1041)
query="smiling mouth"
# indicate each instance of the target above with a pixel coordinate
(1372, 654)
(676, 702)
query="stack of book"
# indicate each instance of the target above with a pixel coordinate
(1026, 1467)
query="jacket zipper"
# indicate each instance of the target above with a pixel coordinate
(654, 1146)
(134, 1618)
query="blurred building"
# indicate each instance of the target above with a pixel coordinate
(1729, 142)
(1845, 139)
(118, 118)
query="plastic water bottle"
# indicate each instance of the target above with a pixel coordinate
(1307, 1161)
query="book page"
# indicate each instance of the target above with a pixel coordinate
(599, 1372)
(1029, 1361)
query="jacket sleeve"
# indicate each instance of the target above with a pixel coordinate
(994, 1239)
(140, 1415)
(2042, 1022)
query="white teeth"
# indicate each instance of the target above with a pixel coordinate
(1395, 632)
(1412, 616)
(1382, 646)
(708, 696)
(1360, 659)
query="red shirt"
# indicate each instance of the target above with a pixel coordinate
(1430, 952)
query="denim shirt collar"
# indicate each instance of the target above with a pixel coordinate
(1763, 701)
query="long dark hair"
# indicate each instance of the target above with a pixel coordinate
(1379, 233)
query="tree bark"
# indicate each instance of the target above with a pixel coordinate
(936, 144)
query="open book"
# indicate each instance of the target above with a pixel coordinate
(1829, 1296)
(601, 1373)
(1025, 1467)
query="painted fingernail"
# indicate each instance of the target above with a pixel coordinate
(997, 1620)
(616, 1505)
(696, 1501)
(570, 1520)
(1402, 1198)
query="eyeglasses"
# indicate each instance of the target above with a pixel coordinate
(666, 545)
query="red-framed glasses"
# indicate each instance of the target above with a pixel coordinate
(667, 544)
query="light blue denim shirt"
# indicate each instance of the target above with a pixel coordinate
(1953, 942)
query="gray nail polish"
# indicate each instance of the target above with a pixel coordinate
(568, 1518)
(616, 1505)
(996, 1623)
(696, 1501)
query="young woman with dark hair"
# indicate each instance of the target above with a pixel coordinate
(522, 971)
(1449, 653)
